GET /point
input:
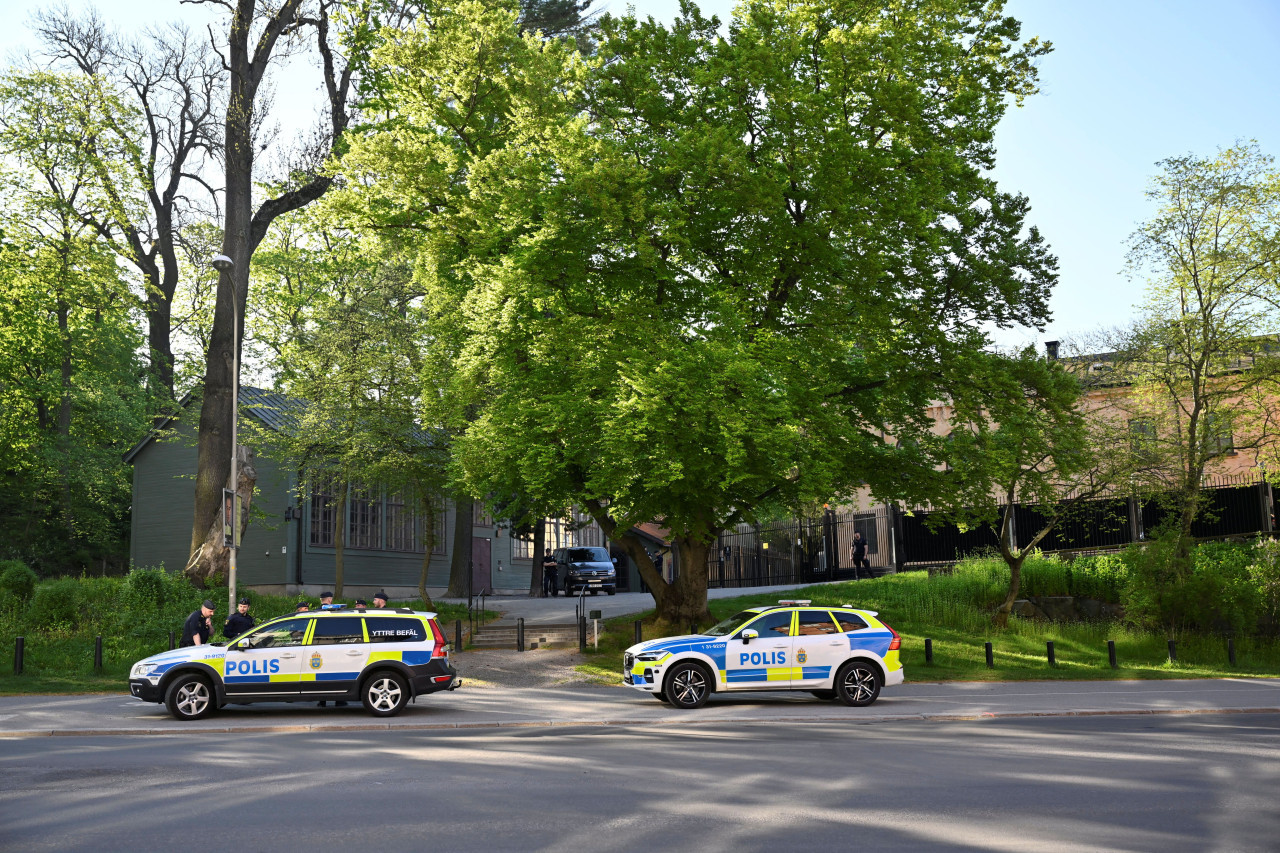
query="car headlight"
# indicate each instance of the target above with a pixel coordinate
(651, 657)
(142, 670)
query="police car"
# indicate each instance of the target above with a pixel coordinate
(383, 658)
(832, 652)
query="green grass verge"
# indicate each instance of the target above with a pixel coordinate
(940, 608)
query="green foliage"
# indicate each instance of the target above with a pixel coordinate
(17, 579)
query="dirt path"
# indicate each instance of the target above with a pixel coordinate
(509, 668)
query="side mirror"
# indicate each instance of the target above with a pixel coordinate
(749, 635)
(240, 646)
(615, 561)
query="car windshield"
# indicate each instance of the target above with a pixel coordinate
(733, 623)
(588, 555)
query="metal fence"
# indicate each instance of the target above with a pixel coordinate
(818, 549)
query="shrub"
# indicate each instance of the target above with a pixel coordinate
(17, 578)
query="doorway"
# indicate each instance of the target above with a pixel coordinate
(481, 571)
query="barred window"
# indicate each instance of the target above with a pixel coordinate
(324, 509)
(365, 530)
(402, 525)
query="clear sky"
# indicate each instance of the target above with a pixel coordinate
(1130, 82)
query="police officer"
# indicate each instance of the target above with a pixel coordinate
(326, 599)
(549, 579)
(239, 622)
(379, 599)
(195, 631)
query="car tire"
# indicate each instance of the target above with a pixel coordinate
(824, 695)
(595, 592)
(190, 697)
(612, 591)
(660, 696)
(857, 684)
(687, 686)
(385, 693)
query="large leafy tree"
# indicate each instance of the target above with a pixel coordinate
(1200, 365)
(700, 277)
(69, 374)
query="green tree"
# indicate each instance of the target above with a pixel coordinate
(69, 375)
(1200, 365)
(703, 277)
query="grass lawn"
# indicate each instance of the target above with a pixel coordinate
(939, 608)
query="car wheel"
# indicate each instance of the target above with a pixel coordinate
(385, 694)
(595, 592)
(857, 684)
(824, 694)
(612, 591)
(688, 686)
(660, 696)
(190, 697)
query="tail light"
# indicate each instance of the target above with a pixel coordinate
(439, 651)
(896, 642)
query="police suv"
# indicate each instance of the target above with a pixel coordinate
(832, 652)
(384, 658)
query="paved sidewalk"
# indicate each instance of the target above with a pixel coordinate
(119, 714)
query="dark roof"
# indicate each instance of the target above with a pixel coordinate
(274, 411)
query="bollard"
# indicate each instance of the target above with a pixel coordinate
(639, 636)
(97, 654)
(19, 651)
(991, 664)
(457, 634)
(1231, 651)
(1111, 653)
(693, 627)
(520, 634)
(170, 641)
(928, 651)
(1173, 652)
(582, 633)
(1049, 648)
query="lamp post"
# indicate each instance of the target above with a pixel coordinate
(224, 265)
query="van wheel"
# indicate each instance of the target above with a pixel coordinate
(385, 694)
(190, 697)
(857, 684)
(612, 591)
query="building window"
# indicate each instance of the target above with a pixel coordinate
(401, 525)
(1218, 435)
(522, 546)
(365, 530)
(324, 509)
(1142, 437)
(480, 515)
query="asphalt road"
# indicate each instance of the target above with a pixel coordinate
(1126, 783)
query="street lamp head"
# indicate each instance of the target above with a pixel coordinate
(222, 263)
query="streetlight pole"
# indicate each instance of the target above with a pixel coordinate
(225, 266)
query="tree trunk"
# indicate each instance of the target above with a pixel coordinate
(684, 601)
(340, 538)
(460, 567)
(1015, 583)
(539, 545)
(429, 521)
(211, 553)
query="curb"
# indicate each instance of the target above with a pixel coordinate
(379, 727)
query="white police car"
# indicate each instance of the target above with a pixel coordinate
(383, 658)
(832, 652)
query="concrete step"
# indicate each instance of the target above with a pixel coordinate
(504, 636)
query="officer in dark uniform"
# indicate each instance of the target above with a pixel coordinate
(239, 622)
(195, 631)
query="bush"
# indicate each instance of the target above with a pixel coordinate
(18, 579)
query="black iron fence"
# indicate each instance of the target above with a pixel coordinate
(818, 549)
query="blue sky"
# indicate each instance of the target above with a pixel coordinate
(1130, 82)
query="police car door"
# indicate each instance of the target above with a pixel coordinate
(335, 655)
(820, 647)
(764, 661)
(267, 662)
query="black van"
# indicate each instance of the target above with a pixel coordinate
(591, 569)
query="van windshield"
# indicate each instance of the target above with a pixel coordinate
(588, 555)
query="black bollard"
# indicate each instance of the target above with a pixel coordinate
(639, 636)
(520, 634)
(171, 641)
(1111, 653)
(693, 628)
(1173, 652)
(19, 652)
(1049, 648)
(928, 651)
(991, 663)
(1231, 651)
(457, 634)
(97, 654)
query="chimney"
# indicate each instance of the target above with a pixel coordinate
(1051, 350)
